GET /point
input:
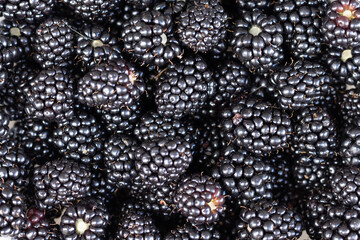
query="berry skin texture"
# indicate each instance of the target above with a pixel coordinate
(200, 199)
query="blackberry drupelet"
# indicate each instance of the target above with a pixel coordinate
(341, 25)
(54, 43)
(111, 85)
(301, 84)
(189, 232)
(250, 5)
(268, 220)
(60, 183)
(50, 96)
(200, 199)
(87, 219)
(244, 178)
(302, 25)
(81, 138)
(119, 152)
(350, 145)
(257, 126)
(350, 106)
(162, 160)
(25, 10)
(149, 38)
(203, 25)
(257, 41)
(314, 133)
(21, 32)
(184, 88)
(95, 45)
(12, 211)
(4, 126)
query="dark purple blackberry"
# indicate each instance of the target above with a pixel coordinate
(4, 126)
(50, 96)
(302, 25)
(301, 84)
(120, 160)
(200, 199)
(257, 126)
(184, 88)
(87, 219)
(162, 160)
(149, 38)
(245, 178)
(202, 25)
(314, 133)
(250, 5)
(136, 225)
(189, 232)
(81, 138)
(12, 211)
(268, 220)
(111, 85)
(95, 45)
(350, 144)
(101, 11)
(350, 105)
(28, 11)
(54, 43)
(341, 25)
(60, 183)
(20, 32)
(257, 41)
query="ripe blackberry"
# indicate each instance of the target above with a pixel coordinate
(12, 211)
(250, 5)
(20, 32)
(50, 96)
(200, 199)
(302, 26)
(149, 38)
(257, 41)
(245, 178)
(4, 126)
(28, 11)
(80, 138)
(95, 45)
(314, 133)
(350, 149)
(257, 126)
(350, 106)
(341, 25)
(87, 219)
(189, 232)
(54, 43)
(268, 220)
(120, 160)
(183, 88)
(136, 225)
(60, 182)
(202, 25)
(111, 85)
(300, 84)
(162, 160)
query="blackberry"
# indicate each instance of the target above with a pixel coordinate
(257, 41)
(268, 220)
(349, 150)
(257, 126)
(50, 96)
(162, 160)
(315, 133)
(95, 45)
(250, 5)
(54, 43)
(350, 106)
(100, 188)
(4, 126)
(202, 25)
(87, 219)
(137, 225)
(80, 138)
(149, 38)
(111, 85)
(120, 160)
(28, 11)
(301, 84)
(341, 25)
(245, 178)
(20, 32)
(200, 199)
(302, 25)
(12, 211)
(60, 182)
(281, 174)
(183, 88)
(189, 232)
